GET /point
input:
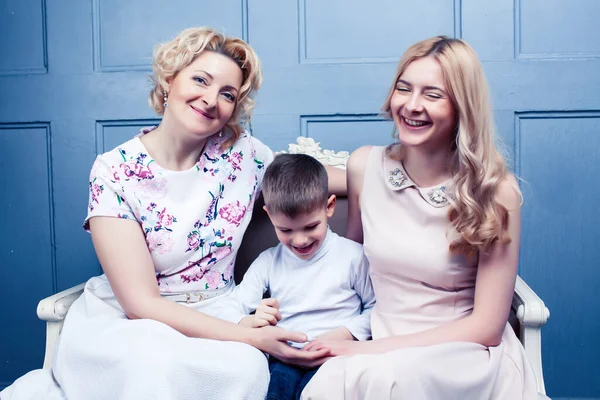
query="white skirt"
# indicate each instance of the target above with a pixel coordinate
(103, 355)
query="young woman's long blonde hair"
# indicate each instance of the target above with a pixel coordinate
(171, 57)
(478, 168)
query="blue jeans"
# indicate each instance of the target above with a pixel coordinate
(287, 381)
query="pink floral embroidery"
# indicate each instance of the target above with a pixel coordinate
(213, 279)
(196, 272)
(140, 171)
(220, 234)
(212, 150)
(228, 273)
(194, 241)
(159, 241)
(95, 192)
(157, 220)
(236, 159)
(233, 213)
(203, 239)
(222, 252)
(221, 165)
(155, 188)
(115, 174)
(219, 173)
(164, 219)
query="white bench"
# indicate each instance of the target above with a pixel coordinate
(528, 313)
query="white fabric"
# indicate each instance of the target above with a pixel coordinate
(36, 385)
(102, 355)
(329, 290)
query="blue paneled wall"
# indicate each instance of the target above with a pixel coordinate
(74, 82)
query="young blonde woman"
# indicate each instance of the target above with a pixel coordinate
(439, 215)
(167, 213)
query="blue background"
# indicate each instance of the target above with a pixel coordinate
(74, 83)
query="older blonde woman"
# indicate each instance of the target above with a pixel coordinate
(439, 215)
(167, 212)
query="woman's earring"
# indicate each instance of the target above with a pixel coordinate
(221, 134)
(165, 104)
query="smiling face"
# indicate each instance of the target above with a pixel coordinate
(421, 107)
(202, 96)
(305, 233)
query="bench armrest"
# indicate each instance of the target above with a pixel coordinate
(532, 315)
(53, 310)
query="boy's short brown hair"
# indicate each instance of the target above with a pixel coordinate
(295, 184)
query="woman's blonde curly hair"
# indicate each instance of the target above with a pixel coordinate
(173, 56)
(478, 167)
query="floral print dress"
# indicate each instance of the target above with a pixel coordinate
(193, 220)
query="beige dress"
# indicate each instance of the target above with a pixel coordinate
(418, 286)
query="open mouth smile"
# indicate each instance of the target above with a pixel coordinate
(413, 123)
(304, 250)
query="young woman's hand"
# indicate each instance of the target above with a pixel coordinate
(336, 347)
(274, 340)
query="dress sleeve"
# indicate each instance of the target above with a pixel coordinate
(107, 197)
(360, 326)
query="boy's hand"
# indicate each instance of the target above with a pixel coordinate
(266, 314)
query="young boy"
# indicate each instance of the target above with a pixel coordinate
(318, 281)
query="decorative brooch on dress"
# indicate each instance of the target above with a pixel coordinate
(438, 195)
(397, 178)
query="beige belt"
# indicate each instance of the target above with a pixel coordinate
(198, 295)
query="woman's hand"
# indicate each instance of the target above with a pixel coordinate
(336, 347)
(274, 340)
